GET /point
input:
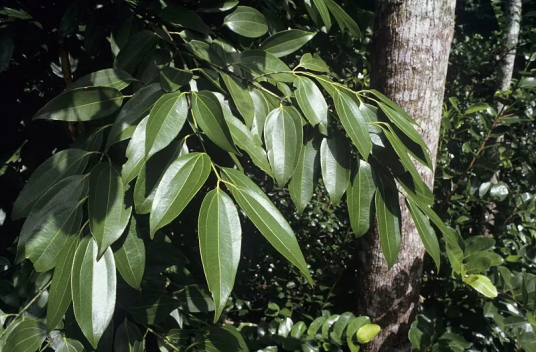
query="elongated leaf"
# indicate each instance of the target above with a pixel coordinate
(286, 42)
(403, 124)
(181, 17)
(263, 104)
(265, 216)
(150, 175)
(70, 345)
(353, 122)
(247, 22)
(136, 49)
(261, 63)
(128, 338)
(220, 239)
(27, 336)
(130, 256)
(305, 176)
(335, 163)
(135, 153)
(171, 78)
(241, 98)
(359, 199)
(179, 184)
(82, 104)
(131, 114)
(59, 297)
(93, 289)
(107, 215)
(340, 326)
(313, 63)
(482, 284)
(110, 77)
(324, 13)
(426, 232)
(312, 103)
(208, 113)
(56, 168)
(388, 218)
(91, 140)
(283, 135)
(343, 19)
(165, 122)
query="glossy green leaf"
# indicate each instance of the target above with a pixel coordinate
(171, 78)
(59, 297)
(91, 140)
(241, 98)
(136, 49)
(286, 42)
(482, 284)
(315, 325)
(367, 332)
(128, 338)
(181, 17)
(152, 308)
(93, 289)
(108, 217)
(313, 63)
(312, 103)
(130, 255)
(226, 339)
(56, 168)
(208, 113)
(218, 6)
(499, 192)
(305, 176)
(388, 219)
(340, 326)
(261, 63)
(195, 299)
(285, 326)
(133, 112)
(82, 104)
(110, 77)
(298, 330)
(403, 124)
(70, 345)
(135, 153)
(324, 13)
(354, 122)
(26, 337)
(426, 232)
(265, 216)
(165, 122)
(335, 164)
(343, 19)
(283, 135)
(247, 22)
(263, 104)
(392, 105)
(220, 239)
(359, 199)
(326, 327)
(179, 184)
(151, 173)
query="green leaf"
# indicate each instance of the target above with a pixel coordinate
(335, 164)
(359, 199)
(133, 112)
(59, 297)
(477, 244)
(260, 63)
(56, 168)
(313, 63)
(171, 78)
(82, 104)
(195, 299)
(283, 135)
(286, 42)
(27, 336)
(315, 325)
(499, 192)
(305, 176)
(151, 173)
(247, 22)
(263, 104)
(70, 345)
(482, 284)
(179, 184)
(298, 330)
(128, 338)
(340, 326)
(8, 46)
(285, 327)
(165, 122)
(93, 289)
(241, 98)
(367, 332)
(327, 325)
(218, 6)
(478, 107)
(110, 77)
(343, 19)
(354, 122)
(312, 103)
(404, 125)
(324, 13)
(220, 239)
(135, 153)
(208, 113)
(388, 218)
(265, 216)
(426, 232)
(130, 256)
(136, 49)
(90, 140)
(226, 339)
(107, 215)
(181, 17)
(152, 308)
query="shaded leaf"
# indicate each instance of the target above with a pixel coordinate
(241, 98)
(247, 22)
(286, 42)
(359, 199)
(128, 338)
(335, 164)
(261, 63)
(130, 256)
(70, 345)
(324, 13)
(135, 50)
(388, 219)
(426, 232)
(27, 336)
(171, 78)
(181, 17)
(110, 77)
(305, 176)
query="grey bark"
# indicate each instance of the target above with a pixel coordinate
(410, 57)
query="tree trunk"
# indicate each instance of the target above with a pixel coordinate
(410, 57)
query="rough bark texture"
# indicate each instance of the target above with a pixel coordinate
(410, 57)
